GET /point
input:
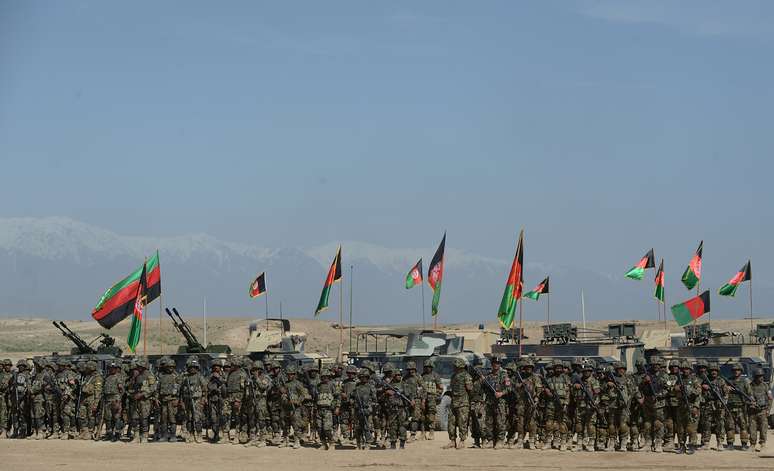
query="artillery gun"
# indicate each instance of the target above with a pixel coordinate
(193, 346)
(107, 344)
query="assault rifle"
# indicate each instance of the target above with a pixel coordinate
(362, 415)
(489, 386)
(683, 392)
(530, 398)
(589, 397)
(738, 391)
(383, 383)
(619, 389)
(715, 392)
(192, 415)
(550, 388)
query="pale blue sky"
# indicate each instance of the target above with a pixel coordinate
(602, 127)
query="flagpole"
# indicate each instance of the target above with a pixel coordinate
(144, 317)
(341, 317)
(204, 303)
(548, 308)
(351, 283)
(267, 307)
(422, 286)
(749, 282)
(161, 320)
(521, 324)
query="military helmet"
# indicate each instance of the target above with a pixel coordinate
(657, 361)
(557, 364)
(588, 367)
(411, 365)
(352, 369)
(497, 359)
(113, 364)
(701, 363)
(685, 365)
(363, 372)
(257, 365)
(639, 361)
(62, 362)
(459, 363)
(714, 366)
(313, 367)
(90, 365)
(511, 366)
(567, 364)
(388, 367)
(526, 363)
(247, 364)
(325, 372)
(618, 365)
(291, 370)
(674, 363)
(22, 363)
(142, 362)
(757, 372)
(737, 366)
(429, 363)
(192, 362)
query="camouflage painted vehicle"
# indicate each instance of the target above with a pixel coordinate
(272, 339)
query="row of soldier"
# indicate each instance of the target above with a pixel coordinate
(567, 406)
(579, 406)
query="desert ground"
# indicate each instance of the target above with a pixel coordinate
(426, 455)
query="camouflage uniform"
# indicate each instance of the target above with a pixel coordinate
(431, 384)
(38, 403)
(260, 426)
(394, 407)
(113, 391)
(216, 392)
(294, 393)
(308, 407)
(673, 405)
(141, 392)
(759, 410)
(274, 399)
(527, 412)
(688, 390)
(477, 419)
(414, 390)
(459, 411)
(236, 383)
(585, 413)
(5, 403)
(347, 416)
(91, 393)
(193, 390)
(653, 389)
(624, 392)
(737, 404)
(168, 394)
(557, 399)
(363, 399)
(20, 398)
(497, 407)
(67, 382)
(712, 408)
(605, 401)
(636, 416)
(326, 405)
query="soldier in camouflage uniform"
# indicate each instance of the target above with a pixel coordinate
(433, 389)
(604, 401)
(294, 394)
(236, 384)
(624, 391)
(20, 398)
(347, 416)
(585, 393)
(168, 394)
(311, 380)
(526, 388)
(216, 393)
(91, 393)
(635, 406)
(477, 419)
(141, 392)
(396, 410)
(513, 434)
(712, 405)
(193, 390)
(363, 399)
(274, 399)
(5, 404)
(672, 405)
(414, 390)
(556, 391)
(461, 385)
(326, 406)
(759, 409)
(497, 405)
(38, 403)
(260, 426)
(67, 382)
(112, 413)
(654, 391)
(738, 401)
(688, 390)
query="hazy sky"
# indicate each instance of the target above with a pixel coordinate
(602, 127)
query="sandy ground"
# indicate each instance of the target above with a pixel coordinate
(426, 455)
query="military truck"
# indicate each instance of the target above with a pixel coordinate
(272, 339)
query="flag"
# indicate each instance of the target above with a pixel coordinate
(692, 274)
(513, 286)
(638, 271)
(140, 300)
(542, 288)
(118, 301)
(690, 310)
(659, 293)
(414, 276)
(334, 275)
(258, 286)
(745, 274)
(435, 274)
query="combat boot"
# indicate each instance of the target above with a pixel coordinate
(527, 445)
(625, 446)
(431, 435)
(509, 443)
(283, 443)
(423, 436)
(461, 445)
(680, 450)
(563, 445)
(135, 438)
(402, 444)
(413, 437)
(296, 444)
(232, 436)
(690, 449)
(392, 445)
(610, 445)
(450, 445)
(719, 444)
(476, 443)
(745, 446)
(658, 448)
(325, 445)
(243, 437)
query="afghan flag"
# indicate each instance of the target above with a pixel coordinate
(638, 271)
(435, 274)
(118, 302)
(258, 286)
(414, 276)
(140, 301)
(513, 287)
(692, 273)
(745, 274)
(542, 288)
(334, 275)
(690, 310)
(659, 293)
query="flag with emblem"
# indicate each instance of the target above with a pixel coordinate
(258, 286)
(414, 276)
(140, 301)
(541, 288)
(659, 292)
(513, 287)
(690, 310)
(118, 301)
(744, 274)
(692, 274)
(638, 271)
(334, 275)
(435, 275)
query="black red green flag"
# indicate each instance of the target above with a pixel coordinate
(414, 276)
(690, 310)
(692, 274)
(638, 271)
(334, 275)
(744, 274)
(541, 288)
(118, 301)
(513, 287)
(258, 286)
(659, 293)
(140, 301)
(435, 274)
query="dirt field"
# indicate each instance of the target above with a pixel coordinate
(425, 455)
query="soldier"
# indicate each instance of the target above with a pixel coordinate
(112, 414)
(514, 417)
(260, 426)
(461, 385)
(347, 415)
(308, 412)
(236, 383)
(653, 389)
(414, 390)
(5, 387)
(90, 395)
(635, 406)
(67, 382)
(38, 402)
(363, 399)
(759, 409)
(294, 393)
(738, 400)
(477, 419)
(193, 390)
(396, 406)
(557, 393)
(604, 402)
(688, 389)
(527, 386)
(672, 405)
(627, 392)
(497, 406)
(585, 392)
(275, 400)
(168, 390)
(433, 389)
(216, 392)
(141, 392)
(20, 398)
(713, 405)
(326, 406)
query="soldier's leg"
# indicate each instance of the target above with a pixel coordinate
(744, 429)
(658, 428)
(463, 423)
(531, 424)
(430, 413)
